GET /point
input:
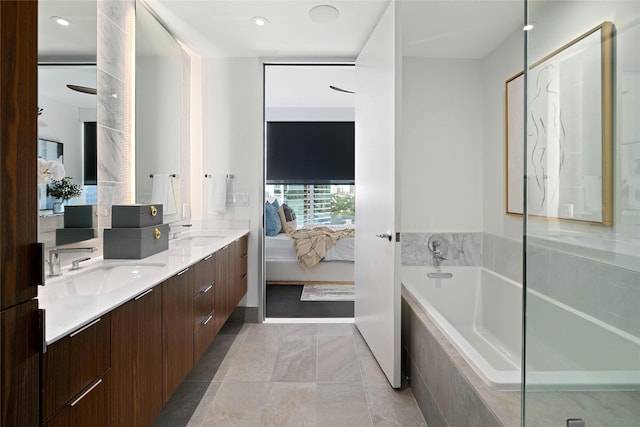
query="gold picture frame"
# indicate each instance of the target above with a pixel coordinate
(569, 124)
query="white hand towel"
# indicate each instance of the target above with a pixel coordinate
(162, 193)
(218, 194)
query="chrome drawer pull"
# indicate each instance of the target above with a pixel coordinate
(82, 396)
(85, 328)
(207, 289)
(208, 257)
(226, 247)
(143, 294)
(207, 320)
(183, 271)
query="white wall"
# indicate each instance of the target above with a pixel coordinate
(232, 144)
(504, 62)
(440, 157)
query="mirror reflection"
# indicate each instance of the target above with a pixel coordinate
(159, 118)
(67, 143)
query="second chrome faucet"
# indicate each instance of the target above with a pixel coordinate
(54, 259)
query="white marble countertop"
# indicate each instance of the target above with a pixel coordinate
(78, 297)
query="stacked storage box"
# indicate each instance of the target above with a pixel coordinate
(80, 223)
(138, 232)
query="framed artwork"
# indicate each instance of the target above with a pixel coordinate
(569, 133)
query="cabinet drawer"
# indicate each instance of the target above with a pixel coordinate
(74, 362)
(202, 307)
(90, 407)
(204, 274)
(203, 335)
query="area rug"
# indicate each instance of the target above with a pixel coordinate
(328, 293)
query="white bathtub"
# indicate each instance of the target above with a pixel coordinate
(480, 312)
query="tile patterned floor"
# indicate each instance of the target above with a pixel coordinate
(289, 375)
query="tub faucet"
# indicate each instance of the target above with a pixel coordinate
(438, 257)
(54, 258)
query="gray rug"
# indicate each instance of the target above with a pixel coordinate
(328, 293)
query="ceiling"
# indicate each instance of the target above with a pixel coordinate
(434, 29)
(75, 43)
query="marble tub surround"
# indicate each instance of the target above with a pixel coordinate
(502, 255)
(460, 249)
(69, 308)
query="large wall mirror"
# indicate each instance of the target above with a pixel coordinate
(67, 40)
(160, 117)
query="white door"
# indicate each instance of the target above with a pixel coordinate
(377, 302)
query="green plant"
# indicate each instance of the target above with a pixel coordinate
(63, 189)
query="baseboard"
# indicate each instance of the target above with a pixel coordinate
(309, 282)
(243, 314)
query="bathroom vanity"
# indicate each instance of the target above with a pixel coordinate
(122, 335)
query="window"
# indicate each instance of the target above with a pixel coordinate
(317, 203)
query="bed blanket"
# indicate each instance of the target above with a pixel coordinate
(313, 244)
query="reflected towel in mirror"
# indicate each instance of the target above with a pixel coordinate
(162, 193)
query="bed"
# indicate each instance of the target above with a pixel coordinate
(283, 266)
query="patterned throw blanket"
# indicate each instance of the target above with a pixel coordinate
(313, 244)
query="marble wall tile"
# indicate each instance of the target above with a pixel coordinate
(470, 410)
(508, 258)
(488, 251)
(112, 40)
(111, 155)
(603, 291)
(460, 249)
(426, 403)
(117, 11)
(112, 102)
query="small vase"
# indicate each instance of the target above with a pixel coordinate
(58, 207)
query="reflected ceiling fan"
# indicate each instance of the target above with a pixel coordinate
(83, 89)
(339, 89)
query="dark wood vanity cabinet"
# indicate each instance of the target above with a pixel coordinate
(239, 256)
(204, 330)
(136, 359)
(121, 369)
(177, 330)
(222, 299)
(75, 381)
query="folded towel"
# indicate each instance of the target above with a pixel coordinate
(162, 193)
(218, 195)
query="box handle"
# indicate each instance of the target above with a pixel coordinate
(157, 233)
(154, 210)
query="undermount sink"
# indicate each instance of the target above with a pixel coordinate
(104, 279)
(196, 241)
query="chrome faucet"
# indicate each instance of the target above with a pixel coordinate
(174, 234)
(54, 259)
(438, 257)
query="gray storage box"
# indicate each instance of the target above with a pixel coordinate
(135, 216)
(80, 216)
(135, 243)
(71, 235)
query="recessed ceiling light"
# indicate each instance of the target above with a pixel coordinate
(259, 21)
(323, 14)
(528, 27)
(61, 21)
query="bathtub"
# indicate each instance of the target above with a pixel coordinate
(480, 312)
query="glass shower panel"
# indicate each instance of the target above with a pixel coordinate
(582, 211)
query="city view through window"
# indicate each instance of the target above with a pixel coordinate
(321, 204)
